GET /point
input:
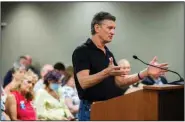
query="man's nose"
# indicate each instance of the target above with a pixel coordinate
(113, 31)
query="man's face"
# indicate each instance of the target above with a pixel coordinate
(23, 61)
(125, 67)
(106, 30)
(29, 60)
(62, 72)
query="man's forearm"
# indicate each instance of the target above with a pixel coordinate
(130, 79)
(91, 80)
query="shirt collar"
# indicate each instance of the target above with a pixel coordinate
(91, 44)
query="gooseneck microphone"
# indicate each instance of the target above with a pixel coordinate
(181, 79)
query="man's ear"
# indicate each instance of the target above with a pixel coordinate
(97, 27)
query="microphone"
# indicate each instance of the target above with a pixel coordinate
(175, 82)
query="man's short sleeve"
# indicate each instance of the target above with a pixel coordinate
(80, 59)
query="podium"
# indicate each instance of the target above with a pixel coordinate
(151, 103)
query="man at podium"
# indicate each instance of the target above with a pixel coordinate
(97, 76)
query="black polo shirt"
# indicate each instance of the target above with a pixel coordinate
(88, 56)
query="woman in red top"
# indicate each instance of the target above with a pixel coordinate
(19, 101)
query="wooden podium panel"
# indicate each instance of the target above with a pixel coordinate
(150, 103)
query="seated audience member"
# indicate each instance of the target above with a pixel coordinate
(155, 80)
(125, 66)
(60, 67)
(48, 101)
(4, 116)
(17, 75)
(40, 84)
(30, 66)
(19, 102)
(22, 61)
(70, 93)
(3, 96)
